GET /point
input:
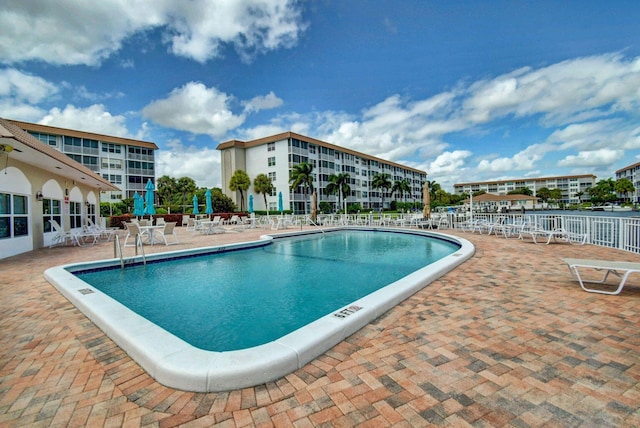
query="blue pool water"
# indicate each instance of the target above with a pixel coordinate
(239, 299)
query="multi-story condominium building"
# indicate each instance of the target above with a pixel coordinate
(276, 155)
(126, 163)
(631, 172)
(574, 187)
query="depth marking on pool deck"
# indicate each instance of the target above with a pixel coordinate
(347, 311)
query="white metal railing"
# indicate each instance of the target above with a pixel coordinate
(613, 232)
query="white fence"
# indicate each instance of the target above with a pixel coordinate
(613, 232)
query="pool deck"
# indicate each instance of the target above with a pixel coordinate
(507, 338)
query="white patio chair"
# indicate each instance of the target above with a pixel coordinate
(169, 231)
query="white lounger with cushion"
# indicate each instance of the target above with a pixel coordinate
(620, 269)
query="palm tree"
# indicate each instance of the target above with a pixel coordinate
(240, 181)
(624, 186)
(186, 186)
(400, 187)
(301, 175)
(166, 187)
(433, 188)
(381, 181)
(339, 184)
(262, 184)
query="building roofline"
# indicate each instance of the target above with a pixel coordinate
(628, 167)
(35, 127)
(525, 179)
(289, 134)
(16, 133)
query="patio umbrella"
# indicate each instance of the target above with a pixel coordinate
(138, 205)
(209, 209)
(148, 199)
(195, 205)
(426, 212)
(250, 204)
(280, 202)
(314, 206)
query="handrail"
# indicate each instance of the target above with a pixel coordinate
(310, 220)
(117, 250)
(139, 242)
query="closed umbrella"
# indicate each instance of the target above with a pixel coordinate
(148, 199)
(195, 205)
(280, 208)
(426, 212)
(209, 208)
(314, 206)
(138, 205)
(250, 204)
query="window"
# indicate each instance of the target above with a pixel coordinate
(91, 212)
(77, 158)
(14, 220)
(271, 147)
(51, 211)
(113, 178)
(111, 148)
(73, 141)
(107, 163)
(272, 176)
(272, 161)
(75, 214)
(90, 144)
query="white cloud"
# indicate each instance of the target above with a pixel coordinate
(521, 161)
(95, 30)
(25, 87)
(266, 102)
(582, 88)
(91, 119)
(201, 164)
(449, 162)
(594, 158)
(196, 109)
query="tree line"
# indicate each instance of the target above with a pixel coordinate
(175, 195)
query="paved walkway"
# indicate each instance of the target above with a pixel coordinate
(507, 339)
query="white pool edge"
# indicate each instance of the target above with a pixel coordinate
(176, 364)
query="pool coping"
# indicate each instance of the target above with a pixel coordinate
(177, 364)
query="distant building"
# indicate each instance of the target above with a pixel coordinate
(631, 172)
(126, 163)
(39, 184)
(276, 155)
(489, 203)
(570, 186)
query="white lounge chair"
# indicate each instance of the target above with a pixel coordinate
(620, 269)
(75, 237)
(61, 237)
(106, 234)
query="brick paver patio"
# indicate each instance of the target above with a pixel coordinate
(507, 339)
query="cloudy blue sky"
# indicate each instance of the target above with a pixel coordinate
(465, 90)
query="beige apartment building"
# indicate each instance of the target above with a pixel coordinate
(126, 163)
(276, 155)
(570, 185)
(631, 172)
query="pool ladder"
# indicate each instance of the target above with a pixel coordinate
(310, 221)
(117, 250)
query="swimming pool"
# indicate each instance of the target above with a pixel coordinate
(173, 361)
